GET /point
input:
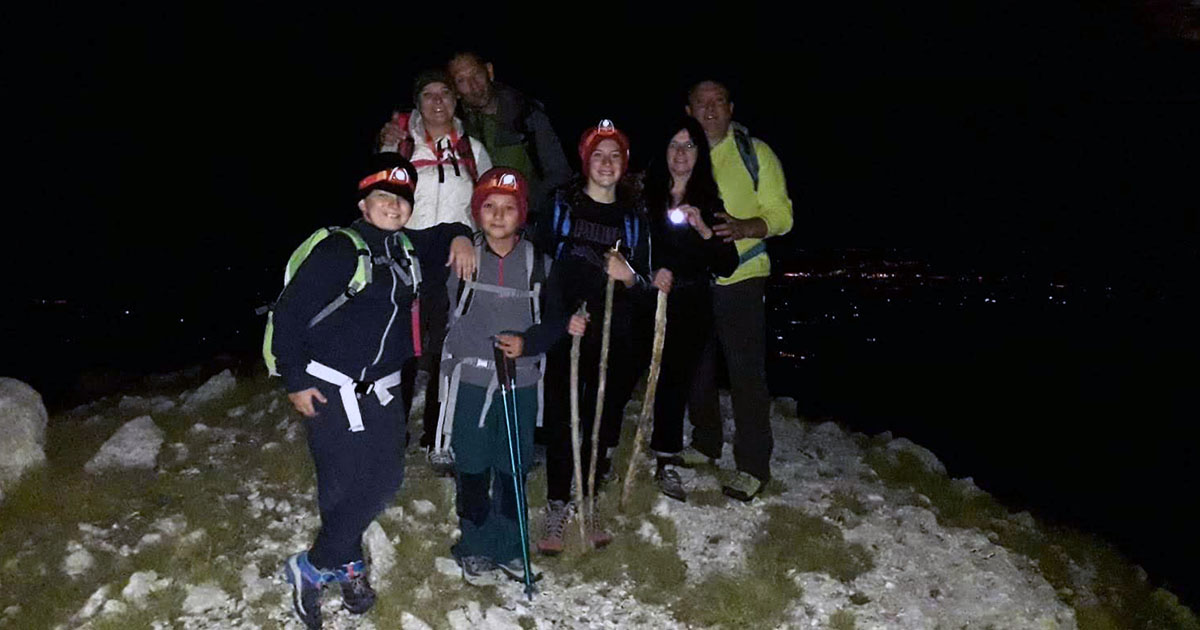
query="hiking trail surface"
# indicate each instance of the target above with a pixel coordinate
(854, 531)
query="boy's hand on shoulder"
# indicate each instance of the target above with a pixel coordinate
(303, 401)
(578, 325)
(462, 257)
(511, 345)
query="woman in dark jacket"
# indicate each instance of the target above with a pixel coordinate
(682, 200)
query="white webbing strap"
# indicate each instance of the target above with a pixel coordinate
(346, 390)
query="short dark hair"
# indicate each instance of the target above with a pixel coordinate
(469, 53)
(696, 86)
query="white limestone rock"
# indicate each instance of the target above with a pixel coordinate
(423, 507)
(141, 585)
(22, 430)
(78, 561)
(497, 618)
(212, 389)
(409, 621)
(135, 445)
(205, 597)
(253, 585)
(93, 603)
(381, 553)
(924, 455)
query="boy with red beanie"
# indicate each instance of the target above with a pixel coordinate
(504, 295)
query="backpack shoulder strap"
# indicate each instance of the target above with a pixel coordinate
(467, 153)
(562, 221)
(358, 281)
(745, 147)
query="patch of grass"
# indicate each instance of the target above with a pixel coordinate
(791, 539)
(526, 622)
(842, 620)
(751, 600)
(847, 501)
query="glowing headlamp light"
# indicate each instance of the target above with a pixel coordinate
(677, 216)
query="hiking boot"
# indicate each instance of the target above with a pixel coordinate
(691, 458)
(597, 535)
(442, 462)
(743, 486)
(357, 595)
(306, 581)
(557, 515)
(669, 483)
(475, 566)
(515, 570)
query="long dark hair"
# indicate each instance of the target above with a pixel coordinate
(701, 190)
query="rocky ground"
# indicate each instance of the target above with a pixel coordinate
(176, 510)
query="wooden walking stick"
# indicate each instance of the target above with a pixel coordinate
(603, 379)
(575, 435)
(660, 335)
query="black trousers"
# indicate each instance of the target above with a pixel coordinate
(689, 326)
(358, 473)
(434, 318)
(623, 370)
(739, 324)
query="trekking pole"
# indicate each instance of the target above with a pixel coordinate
(660, 335)
(605, 329)
(506, 373)
(575, 444)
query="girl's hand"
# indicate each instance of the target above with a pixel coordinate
(462, 257)
(663, 279)
(578, 325)
(697, 223)
(511, 345)
(619, 269)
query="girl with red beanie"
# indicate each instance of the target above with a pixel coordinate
(589, 218)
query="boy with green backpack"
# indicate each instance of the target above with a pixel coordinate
(338, 335)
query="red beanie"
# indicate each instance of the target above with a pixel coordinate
(606, 130)
(503, 181)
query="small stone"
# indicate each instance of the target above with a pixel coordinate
(253, 585)
(458, 620)
(409, 621)
(215, 387)
(78, 560)
(134, 445)
(649, 533)
(199, 428)
(203, 598)
(382, 554)
(12, 610)
(497, 618)
(140, 585)
(93, 603)
(113, 607)
(236, 412)
(423, 507)
(171, 525)
(447, 566)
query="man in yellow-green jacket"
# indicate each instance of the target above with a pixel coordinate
(757, 206)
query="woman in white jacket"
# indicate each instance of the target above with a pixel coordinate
(448, 163)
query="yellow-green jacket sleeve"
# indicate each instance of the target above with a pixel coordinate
(774, 204)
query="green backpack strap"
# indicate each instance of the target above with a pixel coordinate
(745, 147)
(357, 282)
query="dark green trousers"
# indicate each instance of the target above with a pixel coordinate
(487, 502)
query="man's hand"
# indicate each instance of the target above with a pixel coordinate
(462, 257)
(736, 229)
(511, 345)
(578, 325)
(697, 223)
(663, 279)
(619, 269)
(392, 133)
(303, 401)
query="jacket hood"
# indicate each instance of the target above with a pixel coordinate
(416, 126)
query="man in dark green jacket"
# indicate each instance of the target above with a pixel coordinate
(513, 127)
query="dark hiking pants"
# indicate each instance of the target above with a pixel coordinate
(739, 326)
(358, 473)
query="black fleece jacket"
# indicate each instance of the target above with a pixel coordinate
(371, 335)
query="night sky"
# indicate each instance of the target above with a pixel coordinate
(186, 136)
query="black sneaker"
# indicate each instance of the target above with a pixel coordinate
(306, 581)
(357, 595)
(441, 462)
(670, 484)
(475, 566)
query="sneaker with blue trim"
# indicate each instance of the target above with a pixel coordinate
(357, 595)
(307, 582)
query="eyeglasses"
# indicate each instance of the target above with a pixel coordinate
(686, 146)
